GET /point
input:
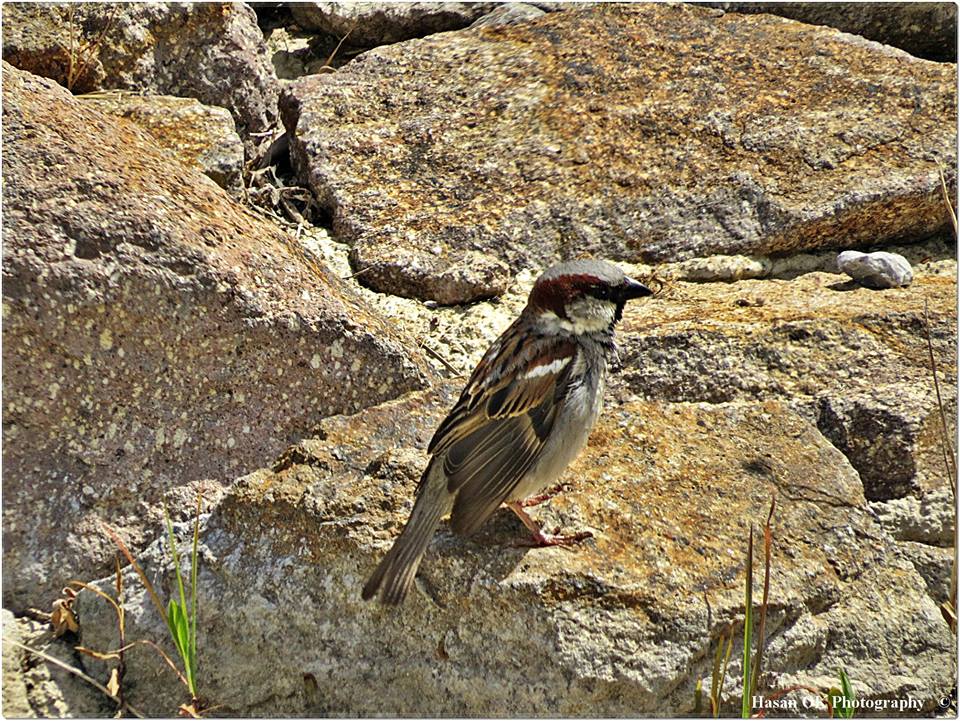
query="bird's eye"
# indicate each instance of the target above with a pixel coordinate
(601, 292)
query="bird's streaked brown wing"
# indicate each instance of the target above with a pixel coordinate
(497, 429)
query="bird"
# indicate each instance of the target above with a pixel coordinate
(522, 418)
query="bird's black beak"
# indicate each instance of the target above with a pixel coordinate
(631, 289)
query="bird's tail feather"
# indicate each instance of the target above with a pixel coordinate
(394, 576)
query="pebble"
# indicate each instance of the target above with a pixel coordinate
(876, 270)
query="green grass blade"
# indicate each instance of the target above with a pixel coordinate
(193, 588)
(176, 556)
(723, 673)
(715, 679)
(179, 621)
(172, 611)
(847, 689)
(746, 703)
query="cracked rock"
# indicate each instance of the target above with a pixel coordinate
(213, 52)
(878, 431)
(158, 338)
(200, 136)
(492, 140)
(854, 362)
(669, 491)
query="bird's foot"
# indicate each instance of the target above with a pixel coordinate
(545, 496)
(538, 538)
(544, 540)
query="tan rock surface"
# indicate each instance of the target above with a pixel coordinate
(644, 132)
(213, 52)
(852, 360)
(201, 136)
(155, 334)
(619, 625)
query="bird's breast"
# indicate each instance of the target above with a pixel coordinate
(575, 419)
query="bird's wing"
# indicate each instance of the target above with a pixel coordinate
(497, 429)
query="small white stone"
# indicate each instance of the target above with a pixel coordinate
(876, 270)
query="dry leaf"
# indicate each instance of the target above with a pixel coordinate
(113, 685)
(107, 656)
(949, 615)
(63, 618)
(189, 711)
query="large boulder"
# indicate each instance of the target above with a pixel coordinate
(639, 132)
(853, 361)
(925, 29)
(625, 623)
(155, 333)
(213, 52)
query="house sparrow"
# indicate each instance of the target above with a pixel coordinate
(524, 415)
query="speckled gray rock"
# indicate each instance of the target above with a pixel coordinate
(876, 270)
(934, 564)
(797, 340)
(200, 136)
(34, 688)
(213, 52)
(585, 131)
(852, 361)
(724, 268)
(879, 429)
(507, 14)
(155, 333)
(925, 29)
(378, 23)
(668, 490)
(929, 520)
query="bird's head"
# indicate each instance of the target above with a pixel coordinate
(582, 296)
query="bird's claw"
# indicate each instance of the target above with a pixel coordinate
(545, 496)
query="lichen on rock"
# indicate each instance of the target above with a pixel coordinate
(156, 334)
(640, 132)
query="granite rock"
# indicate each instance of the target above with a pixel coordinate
(34, 688)
(200, 136)
(934, 564)
(213, 52)
(158, 338)
(929, 520)
(669, 491)
(925, 29)
(852, 361)
(507, 14)
(642, 132)
(379, 23)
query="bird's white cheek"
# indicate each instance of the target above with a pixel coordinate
(587, 315)
(591, 315)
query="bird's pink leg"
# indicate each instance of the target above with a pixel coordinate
(545, 496)
(539, 537)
